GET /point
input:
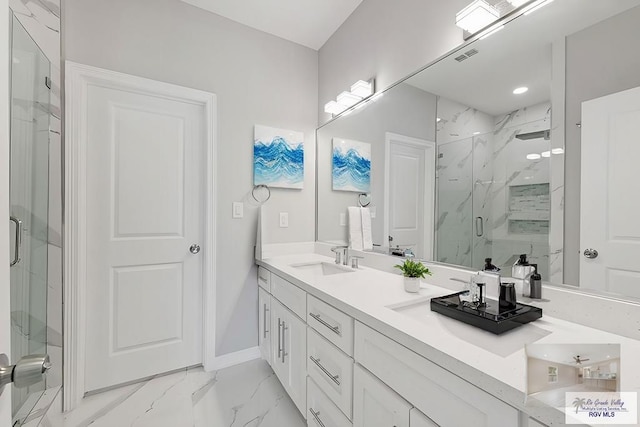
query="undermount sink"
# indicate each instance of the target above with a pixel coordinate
(322, 268)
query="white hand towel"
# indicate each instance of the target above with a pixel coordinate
(355, 228)
(367, 239)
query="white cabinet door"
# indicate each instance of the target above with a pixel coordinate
(264, 324)
(418, 419)
(289, 353)
(375, 404)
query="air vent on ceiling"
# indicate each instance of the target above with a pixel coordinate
(468, 54)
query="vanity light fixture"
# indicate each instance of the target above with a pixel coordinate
(476, 133)
(533, 156)
(520, 90)
(557, 151)
(476, 16)
(359, 90)
(546, 154)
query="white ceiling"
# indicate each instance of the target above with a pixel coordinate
(306, 22)
(563, 353)
(519, 55)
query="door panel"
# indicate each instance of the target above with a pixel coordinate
(144, 211)
(609, 224)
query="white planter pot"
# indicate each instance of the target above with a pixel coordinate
(412, 284)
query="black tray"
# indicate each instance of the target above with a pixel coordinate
(491, 317)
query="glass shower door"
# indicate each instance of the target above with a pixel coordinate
(29, 207)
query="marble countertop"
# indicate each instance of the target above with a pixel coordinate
(496, 364)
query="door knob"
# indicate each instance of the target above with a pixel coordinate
(194, 249)
(28, 371)
(591, 253)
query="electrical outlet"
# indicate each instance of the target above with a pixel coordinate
(284, 219)
(343, 219)
(237, 209)
(373, 211)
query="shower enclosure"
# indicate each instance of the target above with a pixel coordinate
(29, 206)
(493, 198)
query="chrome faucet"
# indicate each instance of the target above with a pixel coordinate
(342, 254)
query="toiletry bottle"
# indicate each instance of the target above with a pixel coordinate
(535, 283)
(489, 267)
(520, 268)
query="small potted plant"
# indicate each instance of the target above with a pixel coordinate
(412, 271)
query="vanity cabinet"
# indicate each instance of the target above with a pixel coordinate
(375, 404)
(445, 398)
(322, 411)
(264, 324)
(289, 351)
(418, 419)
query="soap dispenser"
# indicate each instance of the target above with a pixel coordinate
(535, 283)
(521, 268)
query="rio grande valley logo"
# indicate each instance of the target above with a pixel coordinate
(601, 408)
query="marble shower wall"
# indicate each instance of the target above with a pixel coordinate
(461, 132)
(41, 19)
(492, 201)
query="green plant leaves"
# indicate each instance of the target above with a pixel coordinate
(412, 268)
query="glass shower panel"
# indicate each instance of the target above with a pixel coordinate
(454, 226)
(29, 206)
(483, 199)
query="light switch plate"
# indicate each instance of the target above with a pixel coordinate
(238, 210)
(284, 219)
(343, 219)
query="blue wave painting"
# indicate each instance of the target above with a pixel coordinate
(278, 158)
(351, 165)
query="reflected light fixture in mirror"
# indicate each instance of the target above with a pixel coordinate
(359, 90)
(476, 16)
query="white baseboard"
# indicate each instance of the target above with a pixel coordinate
(236, 358)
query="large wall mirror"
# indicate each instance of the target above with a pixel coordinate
(463, 169)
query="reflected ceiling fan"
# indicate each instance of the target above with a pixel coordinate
(579, 360)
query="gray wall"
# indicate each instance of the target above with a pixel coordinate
(601, 60)
(386, 40)
(258, 79)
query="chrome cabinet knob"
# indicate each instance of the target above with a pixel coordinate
(194, 249)
(590, 253)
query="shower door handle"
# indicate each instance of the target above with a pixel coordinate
(479, 226)
(18, 243)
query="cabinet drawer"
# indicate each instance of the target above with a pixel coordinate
(375, 404)
(294, 298)
(331, 369)
(264, 279)
(331, 323)
(451, 400)
(321, 411)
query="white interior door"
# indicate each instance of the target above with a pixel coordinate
(144, 204)
(409, 199)
(609, 193)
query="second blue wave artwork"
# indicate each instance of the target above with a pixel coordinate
(351, 165)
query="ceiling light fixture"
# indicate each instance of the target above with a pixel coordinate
(520, 90)
(533, 156)
(476, 16)
(359, 90)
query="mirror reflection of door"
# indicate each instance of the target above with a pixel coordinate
(409, 198)
(29, 208)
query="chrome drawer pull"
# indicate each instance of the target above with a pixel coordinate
(316, 417)
(334, 378)
(284, 347)
(264, 321)
(279, 338)
(335, 329)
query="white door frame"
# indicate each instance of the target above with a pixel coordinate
(78, 79)
(429, 229)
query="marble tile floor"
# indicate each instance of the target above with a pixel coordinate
(245, 395)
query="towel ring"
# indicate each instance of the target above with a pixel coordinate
(364, 200)
(253, 193)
